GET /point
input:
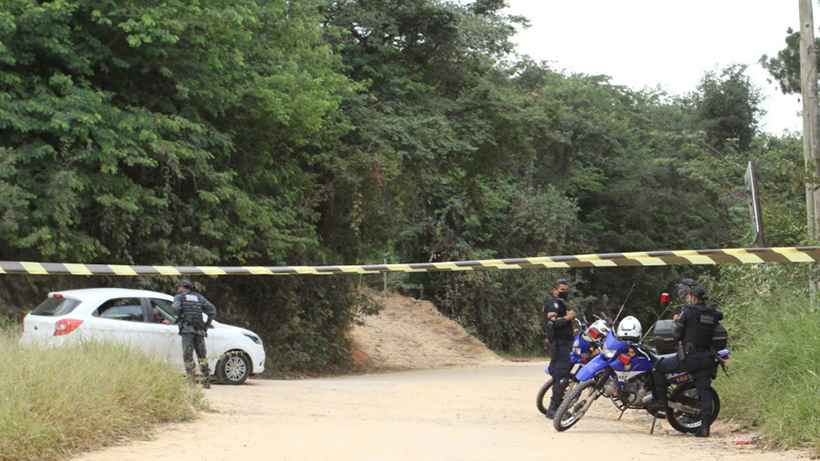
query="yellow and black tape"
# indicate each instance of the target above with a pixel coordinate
(651, 258)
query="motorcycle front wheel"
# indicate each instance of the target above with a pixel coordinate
(575, 405)
(542, 400)
(684, 419)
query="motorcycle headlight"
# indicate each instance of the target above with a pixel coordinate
(609, 354)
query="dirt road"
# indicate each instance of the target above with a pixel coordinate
(482, 413)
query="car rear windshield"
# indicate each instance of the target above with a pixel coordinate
(55, 307)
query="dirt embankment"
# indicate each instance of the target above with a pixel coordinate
(412, 334)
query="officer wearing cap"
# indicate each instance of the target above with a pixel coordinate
(559, 334)
(190, 306)
(695, 327)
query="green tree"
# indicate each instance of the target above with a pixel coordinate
(485, 158)
(136, 131)
(785, 66)
(727, 107)
(161, 132)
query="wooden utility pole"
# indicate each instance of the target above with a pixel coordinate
(808, 88)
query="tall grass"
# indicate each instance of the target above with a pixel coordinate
(60, 401)
(775, 373)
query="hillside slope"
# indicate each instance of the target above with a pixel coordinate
(413, 334)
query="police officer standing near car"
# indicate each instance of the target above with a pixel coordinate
(695, 328)
(190, 306)
(559, 334)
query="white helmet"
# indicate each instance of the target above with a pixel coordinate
(629, 329)
(596, 331)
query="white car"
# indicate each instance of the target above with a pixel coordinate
(142, 319)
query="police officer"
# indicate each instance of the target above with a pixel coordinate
(695, 327)
(190, 306)
(558, 329)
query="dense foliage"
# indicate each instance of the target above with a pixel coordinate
(324, 131)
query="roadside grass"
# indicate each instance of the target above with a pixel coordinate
(775, 375)
(58, 402)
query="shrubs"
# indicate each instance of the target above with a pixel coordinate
(303, 321)
(503, 309)
(775, 376)
(58, 401)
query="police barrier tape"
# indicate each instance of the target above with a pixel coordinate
(809, 254)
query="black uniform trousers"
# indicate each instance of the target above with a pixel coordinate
(700, 365)
(559, 368)
(195, 342)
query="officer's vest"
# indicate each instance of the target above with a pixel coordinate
(701, 322)
(191, 310)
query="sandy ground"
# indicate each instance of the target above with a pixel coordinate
(477, 413)
(412, 334)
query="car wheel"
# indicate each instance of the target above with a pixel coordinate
(233, 368)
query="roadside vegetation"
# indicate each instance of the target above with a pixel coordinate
(774, 382)
(61, 401)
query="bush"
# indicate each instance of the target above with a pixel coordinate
(60, 401)
(504, 309)
(775, 381)
(303, 321)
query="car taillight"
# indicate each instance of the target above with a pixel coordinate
(56, 296)
(66, 326)
(623, 358)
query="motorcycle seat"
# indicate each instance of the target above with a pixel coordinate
(663, 358)
(658, 357)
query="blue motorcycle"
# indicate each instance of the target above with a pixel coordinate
(622, 372)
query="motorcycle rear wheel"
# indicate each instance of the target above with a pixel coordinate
(684, 422)
(575, 405)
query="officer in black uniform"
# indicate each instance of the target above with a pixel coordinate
(695, 327)
(558, 330)
(190, 306)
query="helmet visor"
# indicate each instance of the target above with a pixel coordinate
(594, 333)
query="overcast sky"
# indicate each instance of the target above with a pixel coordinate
(666, 43)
